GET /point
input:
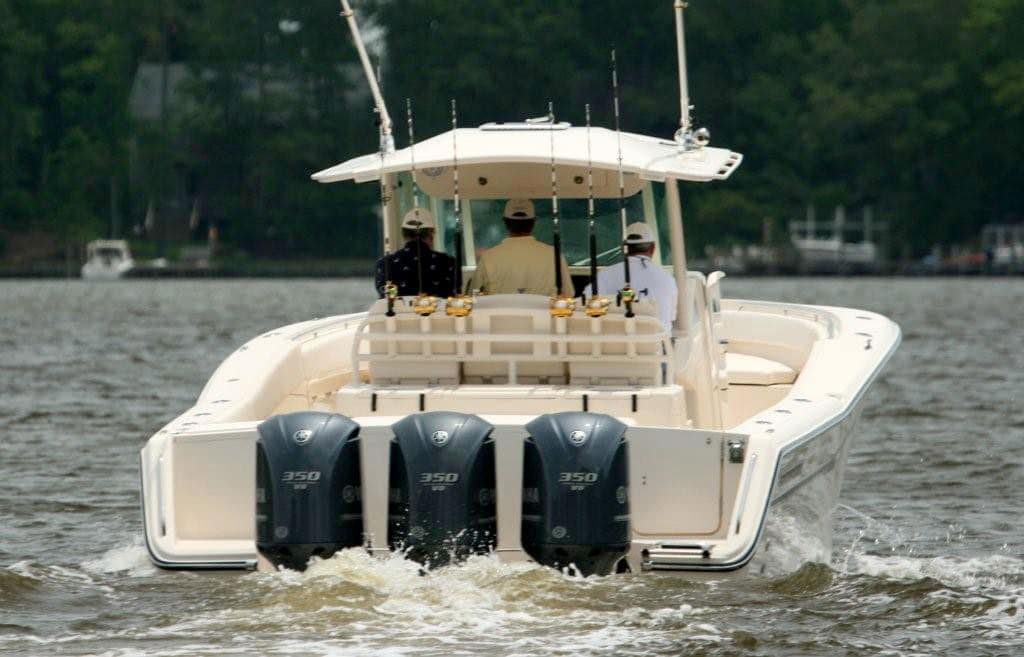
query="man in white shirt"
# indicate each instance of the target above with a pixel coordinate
(647, 277)
(519, 264)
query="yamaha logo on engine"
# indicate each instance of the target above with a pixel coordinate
(302, 436)
(577, 438)
(439, 438)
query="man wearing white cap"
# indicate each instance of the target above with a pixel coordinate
(646, 276)
(520, 264)
(438, 269)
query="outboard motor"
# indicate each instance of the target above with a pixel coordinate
(576, 492)
(308, 500)
(442, 502)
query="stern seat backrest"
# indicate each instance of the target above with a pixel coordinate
(618, 362)
(535, 361)
(612, 357)
(410, 360)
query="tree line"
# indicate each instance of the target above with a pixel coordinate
(913, 107)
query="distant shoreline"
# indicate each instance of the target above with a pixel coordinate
(255, 269)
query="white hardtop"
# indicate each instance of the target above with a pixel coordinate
(650, 158)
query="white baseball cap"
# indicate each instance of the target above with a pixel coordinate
(520, 208)
(418, 218)
(639, 233)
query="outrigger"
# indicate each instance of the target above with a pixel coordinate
(587, 437)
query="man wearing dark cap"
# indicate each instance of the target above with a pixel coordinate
(520, 264)
(438, 270)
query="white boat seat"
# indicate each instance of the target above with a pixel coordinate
(784, 339)
(513, 314)
(409, 350)
(642, 365)
(413, 361)
(744, 369)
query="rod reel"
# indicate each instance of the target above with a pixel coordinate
(459, 304)
(560, 305)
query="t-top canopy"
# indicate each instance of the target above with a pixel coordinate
(497, 147)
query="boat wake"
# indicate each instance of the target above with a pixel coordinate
(356, 604)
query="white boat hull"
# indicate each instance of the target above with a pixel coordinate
(694, 510)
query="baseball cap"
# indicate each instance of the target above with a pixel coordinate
(418, 218)
(639, 233)
(520, 208)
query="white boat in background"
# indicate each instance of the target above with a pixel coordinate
(107, 260)
(517, 424)
(833, 253)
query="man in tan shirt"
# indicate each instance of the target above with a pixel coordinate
(519, 264)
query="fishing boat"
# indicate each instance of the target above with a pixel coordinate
(107, 260)
(580, 434)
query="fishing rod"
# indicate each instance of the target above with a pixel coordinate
(626, 295)
(459, 305)
(424, 304)
(561, 305)
(597, 305)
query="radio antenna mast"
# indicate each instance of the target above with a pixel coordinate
(424, 304)
(686, 137)
(626, 295)
(387, 141)
(459, 305)
(597, 305)
(561, 305)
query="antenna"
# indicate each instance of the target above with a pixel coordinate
(387, 141)
(459, 305)
(686, 137)
(597, 305)
(424, 304)
(626, 295)
(561, 305)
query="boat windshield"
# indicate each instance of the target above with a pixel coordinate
(482, 219)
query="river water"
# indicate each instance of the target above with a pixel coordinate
(928, 552)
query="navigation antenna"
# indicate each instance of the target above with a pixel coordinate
(424, 304)
(561, 305)
(459, 305)
(626, 295)
(597, 306)
(387, 141)
(686, 137)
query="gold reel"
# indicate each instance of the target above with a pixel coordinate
(459, 306)
(424, 305)
(562, 306)
(597, 306)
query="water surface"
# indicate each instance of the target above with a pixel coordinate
(928, 556)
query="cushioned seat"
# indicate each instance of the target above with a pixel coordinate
(744, 369)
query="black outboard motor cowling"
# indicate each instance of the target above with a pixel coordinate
(442, 503)
(308, 498)
(576, 492)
